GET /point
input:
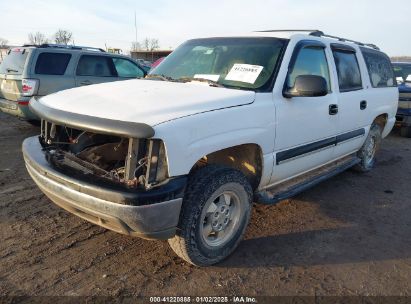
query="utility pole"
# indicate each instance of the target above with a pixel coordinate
(135, 26)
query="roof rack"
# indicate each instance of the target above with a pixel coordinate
(321, 34)
(63, 46)
(276, 31)
(318, 33)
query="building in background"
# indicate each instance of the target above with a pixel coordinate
(150, 55)
(401, 59)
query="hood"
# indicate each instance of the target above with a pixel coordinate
(146, 101)
(404, 87)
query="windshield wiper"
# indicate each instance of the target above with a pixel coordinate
(209, 81)
(160, 77)
(185, 79)
(11, 70)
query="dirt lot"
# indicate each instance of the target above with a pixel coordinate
(348, 236)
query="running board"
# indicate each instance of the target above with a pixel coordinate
(301, 183)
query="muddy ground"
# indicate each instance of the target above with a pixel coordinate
(350, 235)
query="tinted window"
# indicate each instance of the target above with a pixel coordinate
(14, 62)
(98, 66)
(126, 68)
(52, 63)
(379, 68)
(310, 61)
(349, 76)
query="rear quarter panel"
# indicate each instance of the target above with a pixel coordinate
(380, 100)
(49, 84)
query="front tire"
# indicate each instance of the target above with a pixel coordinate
(215, 213)
(369, 149)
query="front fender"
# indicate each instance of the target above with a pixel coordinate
(190, 138)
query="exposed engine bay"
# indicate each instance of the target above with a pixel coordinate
(130, 162)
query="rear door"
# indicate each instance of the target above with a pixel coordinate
(93, 69)
(11, 73)
(352, 102)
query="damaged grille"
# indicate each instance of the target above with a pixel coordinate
(129, 162)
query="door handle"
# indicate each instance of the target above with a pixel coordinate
(363, 105)
(85, 82)
(333, 109)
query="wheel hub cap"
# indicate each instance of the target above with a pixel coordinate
(219, 219)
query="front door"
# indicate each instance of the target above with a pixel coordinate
(306, 126)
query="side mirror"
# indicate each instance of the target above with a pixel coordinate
(307, 86)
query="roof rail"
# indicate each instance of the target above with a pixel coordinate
(275, 31)
(63, 46)
(318, 33)
(321, 34)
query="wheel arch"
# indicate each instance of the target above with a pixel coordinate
(381, 120)
(247, 158)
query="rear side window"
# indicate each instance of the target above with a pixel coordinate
(348, 70)
(52, 63)
(98, 66)
(126, 68)
(379, 68)
(14, 62)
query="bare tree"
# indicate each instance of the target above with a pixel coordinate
(3, 42)
(37, 38)
(146, 44)
(63, 36)
(150, 44)
(3, 45)
(154, 44)
(135, 46)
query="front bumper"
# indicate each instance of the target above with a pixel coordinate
(403, 118)
(148, 214)
(16, 109)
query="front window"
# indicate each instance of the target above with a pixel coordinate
(243, 63)
(126, 68)
(310, 61)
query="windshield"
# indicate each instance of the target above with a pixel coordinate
(402, 72)
(14, 62)
(244, 63)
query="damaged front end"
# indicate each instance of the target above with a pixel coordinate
(130, 162)
(109, 172)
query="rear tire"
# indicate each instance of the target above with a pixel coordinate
(405, 132)
(369, 149)
(215, 213)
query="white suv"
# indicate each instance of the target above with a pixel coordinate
(220, 123)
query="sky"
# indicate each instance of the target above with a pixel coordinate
(110, 23)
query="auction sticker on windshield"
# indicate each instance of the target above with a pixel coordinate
(244, 72)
